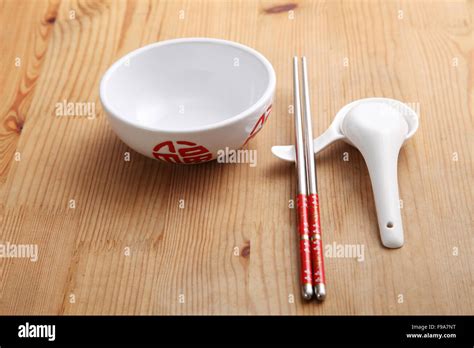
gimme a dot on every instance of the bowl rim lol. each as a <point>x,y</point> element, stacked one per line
<point>260,103</point>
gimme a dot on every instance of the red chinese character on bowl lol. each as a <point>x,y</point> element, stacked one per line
<point>261,121</point>
<point>181,152</point>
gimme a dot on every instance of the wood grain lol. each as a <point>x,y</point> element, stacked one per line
<point>128,248</point>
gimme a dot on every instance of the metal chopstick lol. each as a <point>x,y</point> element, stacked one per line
<point>317,257</point>
<point>302,197</point>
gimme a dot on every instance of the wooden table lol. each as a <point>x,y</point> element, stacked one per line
<point>143,237</point>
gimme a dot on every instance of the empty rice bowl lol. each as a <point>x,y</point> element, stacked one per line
<point>183,100</point>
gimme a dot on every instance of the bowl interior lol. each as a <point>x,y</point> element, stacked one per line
<point>185,85</point>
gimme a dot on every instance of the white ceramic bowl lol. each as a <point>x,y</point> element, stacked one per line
<point>183,100</point>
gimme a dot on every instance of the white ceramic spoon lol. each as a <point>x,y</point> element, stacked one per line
<point>378,127</point>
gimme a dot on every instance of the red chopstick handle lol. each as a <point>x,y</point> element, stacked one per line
<point>304,234</point>
<point>316,241</point>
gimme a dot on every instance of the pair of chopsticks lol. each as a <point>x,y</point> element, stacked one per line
<point>309,227</point>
